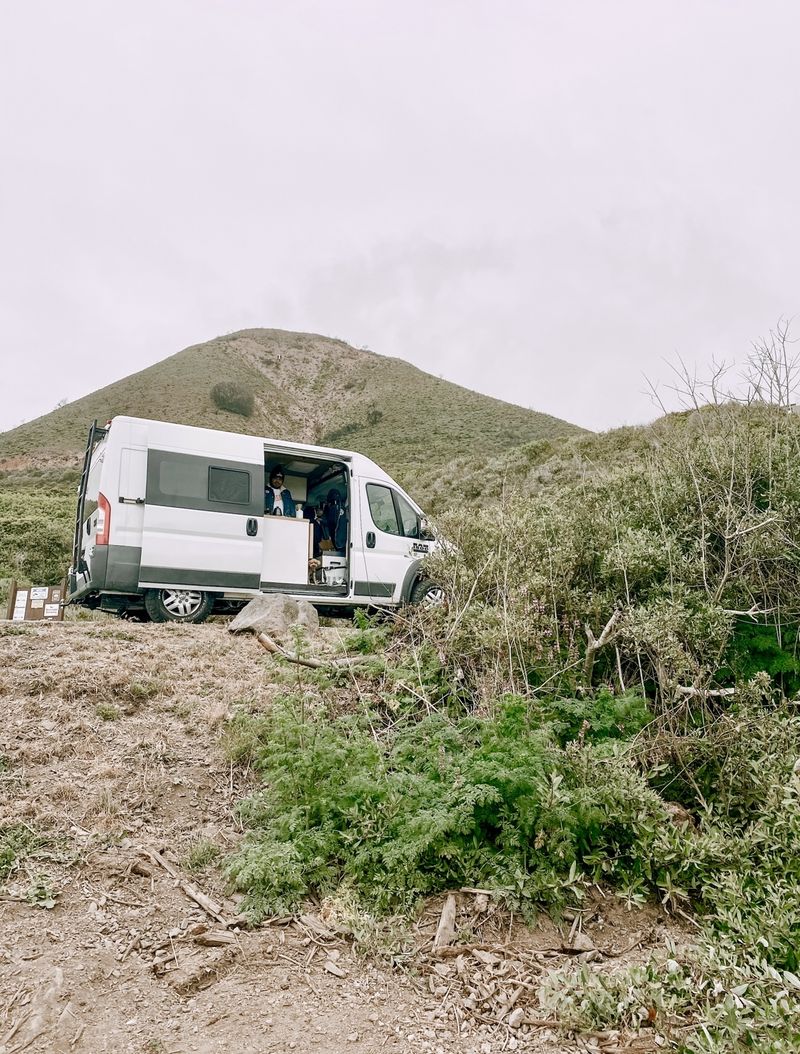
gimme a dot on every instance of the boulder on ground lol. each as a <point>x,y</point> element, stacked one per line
<point>275,614</point>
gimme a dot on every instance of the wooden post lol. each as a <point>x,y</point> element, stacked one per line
<point>12,596</point>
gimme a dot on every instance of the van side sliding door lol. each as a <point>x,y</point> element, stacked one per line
<point>203,521</point>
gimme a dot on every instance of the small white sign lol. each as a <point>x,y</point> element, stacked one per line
<point>39,593</point>
<point>19,615</point>
<point>51,611</point>
<point>36,604</point>
<point>21,598</point>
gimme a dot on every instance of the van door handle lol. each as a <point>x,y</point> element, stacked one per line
<point>252,527</point>
<point>370,539</point>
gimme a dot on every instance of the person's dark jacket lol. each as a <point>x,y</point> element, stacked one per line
<point>337,528</point>
<point>288,502</point>
<point>319,527</point>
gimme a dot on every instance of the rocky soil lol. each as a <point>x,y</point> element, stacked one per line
<point>118,932</point>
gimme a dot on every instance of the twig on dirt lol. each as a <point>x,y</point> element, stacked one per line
<point>134,942</point>
<point>689,919</point>
<point>452,951</point>
<point>206,903</point>
<point>624,951</point>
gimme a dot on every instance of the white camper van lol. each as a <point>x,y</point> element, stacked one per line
<point>172,524</point>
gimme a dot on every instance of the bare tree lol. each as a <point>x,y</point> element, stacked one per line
<point>770,375</point>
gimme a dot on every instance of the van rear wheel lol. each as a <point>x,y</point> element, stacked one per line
<point>178,605</point>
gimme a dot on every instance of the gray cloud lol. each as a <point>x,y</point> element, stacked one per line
<point>539,201</point>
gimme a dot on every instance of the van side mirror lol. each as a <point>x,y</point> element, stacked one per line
<point>425,532</point>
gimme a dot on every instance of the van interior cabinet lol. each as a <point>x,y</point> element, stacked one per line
<point>287,550</point>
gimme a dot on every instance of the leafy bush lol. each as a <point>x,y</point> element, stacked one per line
<point>684,554</point>
<point>35,535</point>
<point>435,804</point>
<point>739,985</point>
<point>233,397</point>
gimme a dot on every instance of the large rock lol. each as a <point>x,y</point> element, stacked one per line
<point>275,614</point>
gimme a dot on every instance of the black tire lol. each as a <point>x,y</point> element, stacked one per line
<point>133,614</point>
<point>427,594</point>
<point>178,605</point>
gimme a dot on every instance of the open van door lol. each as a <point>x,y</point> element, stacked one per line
<point>203,519</point>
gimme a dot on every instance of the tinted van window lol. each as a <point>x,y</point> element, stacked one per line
<point>408,517</point>
<point>382,509</point>
<point>228,485</point>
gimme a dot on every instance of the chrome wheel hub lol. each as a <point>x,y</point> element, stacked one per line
<point>434,598</point>
<point>182,602</point>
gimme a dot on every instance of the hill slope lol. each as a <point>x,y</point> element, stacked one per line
<point>307,388</point>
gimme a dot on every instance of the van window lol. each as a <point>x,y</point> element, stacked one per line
<point>408,517</point>
<point>228,485</point>
<point>182,477</point>
<point>391,512</point>
<point>382,509</point>
<point>192,481</point>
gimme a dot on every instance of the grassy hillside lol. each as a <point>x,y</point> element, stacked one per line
<point>305,387</point>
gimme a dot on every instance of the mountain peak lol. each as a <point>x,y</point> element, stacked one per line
<point>304,387</point>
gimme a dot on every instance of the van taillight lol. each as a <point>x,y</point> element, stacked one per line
<point>103,520</point>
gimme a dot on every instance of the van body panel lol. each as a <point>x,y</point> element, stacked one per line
<point>203,442</point>
<point>199,548</point>
<point>122,567</point>
<point>202,514</point>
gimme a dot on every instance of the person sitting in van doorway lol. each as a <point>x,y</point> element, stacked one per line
<point>278,501</point>
<point>321,539</point>
<point>336,520</point>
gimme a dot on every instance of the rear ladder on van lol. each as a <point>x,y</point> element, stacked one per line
<point>96,433</point>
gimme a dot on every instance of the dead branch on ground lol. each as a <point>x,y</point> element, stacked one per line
<point>272,646</point>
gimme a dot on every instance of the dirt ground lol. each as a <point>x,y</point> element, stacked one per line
<point>117,931</point>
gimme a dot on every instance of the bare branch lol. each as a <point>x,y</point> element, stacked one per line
<point>594,644</point>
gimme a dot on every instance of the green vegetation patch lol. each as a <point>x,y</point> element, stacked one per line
<point>434,804</point>
<point>35,536</point>
<point>17,842</point>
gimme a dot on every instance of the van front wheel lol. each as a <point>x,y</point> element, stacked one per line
<point>178,605</point>
<point>428,594</point>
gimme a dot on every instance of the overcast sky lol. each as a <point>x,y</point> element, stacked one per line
<point>541,201</point>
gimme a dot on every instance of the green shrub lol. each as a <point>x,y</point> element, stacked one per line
<point>35,535</point>
<point>595,717</point>
<point>17,841</point>
<point>434,804</point>
<point>739,986</point>
<point>233,397</point>
<point>685,549</point>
